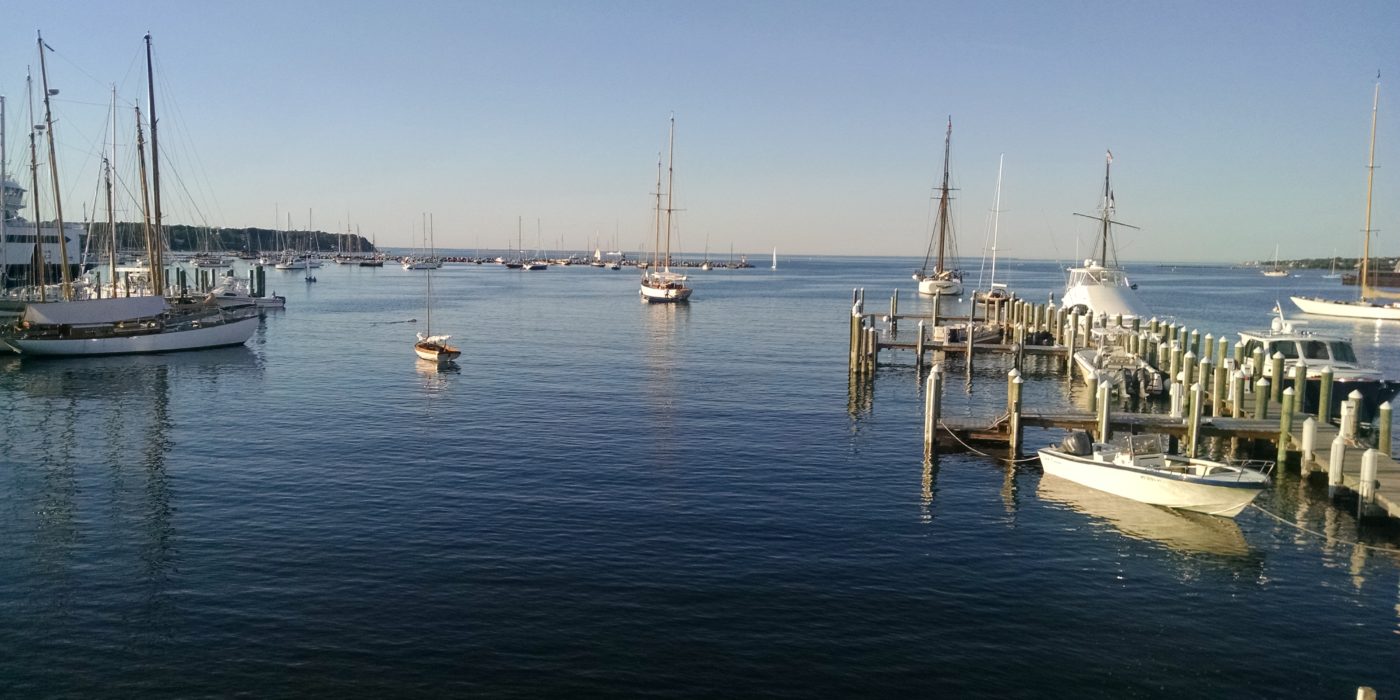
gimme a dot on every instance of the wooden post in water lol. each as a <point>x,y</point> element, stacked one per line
<point>1383,429</point>
<point>1188,368</point>
<point>1204,375</point>
<point>1239,354</point>
<point>874,345</point>
<point>1276,375</point>
<point>1013,408</point>
<point>1105,427</point>
<point>971,331</point>
<point>1193,427</point>
<point>933,407</point>
<point>1237,394</point>
<point>1073,333</point>
<point>1223,351</point>
<point>1300,386</point>
<point>855,338</point>
<point>1174,363</point>
<point>919,347</point>
<point>1366,486</point>
<point>1257,364</point>
<point>1324,395</point>
<point>1285,426</point>
<point>1177,396</point>
<point>1261,399</point>
<point>1335,459</point>
<point>1091,379</point>
<point>1195,344</point>
<point>1309,443</point>
<point>1207,349</point>
<point>937,300</point>
<point>1217,390</point>
<point>894,312</point>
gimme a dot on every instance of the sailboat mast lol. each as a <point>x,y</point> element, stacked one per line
<point>155,270</point>
<point>656,246</point>
<point>40,262</point>
<point>670,184</point>
<point>943,199</point>
<point>111,196</point>
<point>996,217</point>
<point>1107,210</point>
<point>53,176</point>
<point>1370,180</point>
<point>158,256</point>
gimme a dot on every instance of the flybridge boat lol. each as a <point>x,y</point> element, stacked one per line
<point>1136,467</point>
<point>1100,286</point>
<point>1317,350</point>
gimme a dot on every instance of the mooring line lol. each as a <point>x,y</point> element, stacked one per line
<point>1261,509</point>
<point>983,454</point>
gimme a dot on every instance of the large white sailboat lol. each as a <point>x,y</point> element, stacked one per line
<point>659,283</point>
<point>1366,305</point>
<point>132,324</point>
<point>1100,286</point>
<point>936,277</point>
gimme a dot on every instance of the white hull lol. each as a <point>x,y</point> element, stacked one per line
<point>235,333</point>
<point>296,265</point>
<point>1347,309</point>
<point>933,287</point>
<point>673,294</point>
<point>1225,497</point>
<point>1179,530</point>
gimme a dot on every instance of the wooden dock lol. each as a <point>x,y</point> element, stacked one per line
<point>1211,399</point>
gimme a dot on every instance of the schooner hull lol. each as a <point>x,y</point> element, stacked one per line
<point>222,335</point>
<point>666,295</point>
<point>1347,309</point>
<point>933,287</point>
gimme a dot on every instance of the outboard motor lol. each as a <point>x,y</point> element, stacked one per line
<point>1077,443</point>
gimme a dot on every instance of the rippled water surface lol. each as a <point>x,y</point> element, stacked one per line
<point>610,497</point>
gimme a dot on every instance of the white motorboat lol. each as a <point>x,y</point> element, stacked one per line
<point>1100,286</point>
<point>936,276</point>
<point>1366,304</point>
<point>1137,468</point>
<point>1110,359</point>
<point>1317,350</point>
<point>662,285</point>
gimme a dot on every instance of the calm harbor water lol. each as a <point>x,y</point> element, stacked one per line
<point>607,497</point>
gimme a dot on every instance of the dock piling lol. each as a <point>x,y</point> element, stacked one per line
<point>1324,395</point>
<point>1276,376</point>
<point>1193,428</point>
<point>1217,390</point>
<point>1351,415</point>
<point>1237,394</point>
<point>1285,426</point>
<point>1257,364</point>
<point>1013,408</point>
<point>1105,422</point>
<point>933,406</point>
<point>1383,429</point>
<point>1335,459</point>
<point>1366,487</point>
<point>1261,398</point>
<point>1309,443</point>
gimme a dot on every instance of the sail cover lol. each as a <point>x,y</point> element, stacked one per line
<point>93,311</point>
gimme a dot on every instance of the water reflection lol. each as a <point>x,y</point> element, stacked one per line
<point>1181,531</point>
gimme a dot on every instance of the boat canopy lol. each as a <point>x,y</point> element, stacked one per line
<point>95,311</point>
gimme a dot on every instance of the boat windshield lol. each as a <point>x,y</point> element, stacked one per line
<point>1342,352</point>
<point>1287,348</point>
<point>1314,350</point>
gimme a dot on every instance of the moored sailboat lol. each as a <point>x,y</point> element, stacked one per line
<point>936,277</point>
<point>1366,304</point>
<point>132,324</point>
<point>659,283</point>
<point>433,348</point>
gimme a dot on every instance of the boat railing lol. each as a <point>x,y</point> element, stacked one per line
<point>1263,466</point>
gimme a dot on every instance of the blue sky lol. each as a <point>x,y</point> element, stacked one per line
<point>815,127</point>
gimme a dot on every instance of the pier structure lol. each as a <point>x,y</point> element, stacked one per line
<point>1214,407</point>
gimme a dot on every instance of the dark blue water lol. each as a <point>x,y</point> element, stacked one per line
<point>613,498</point>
